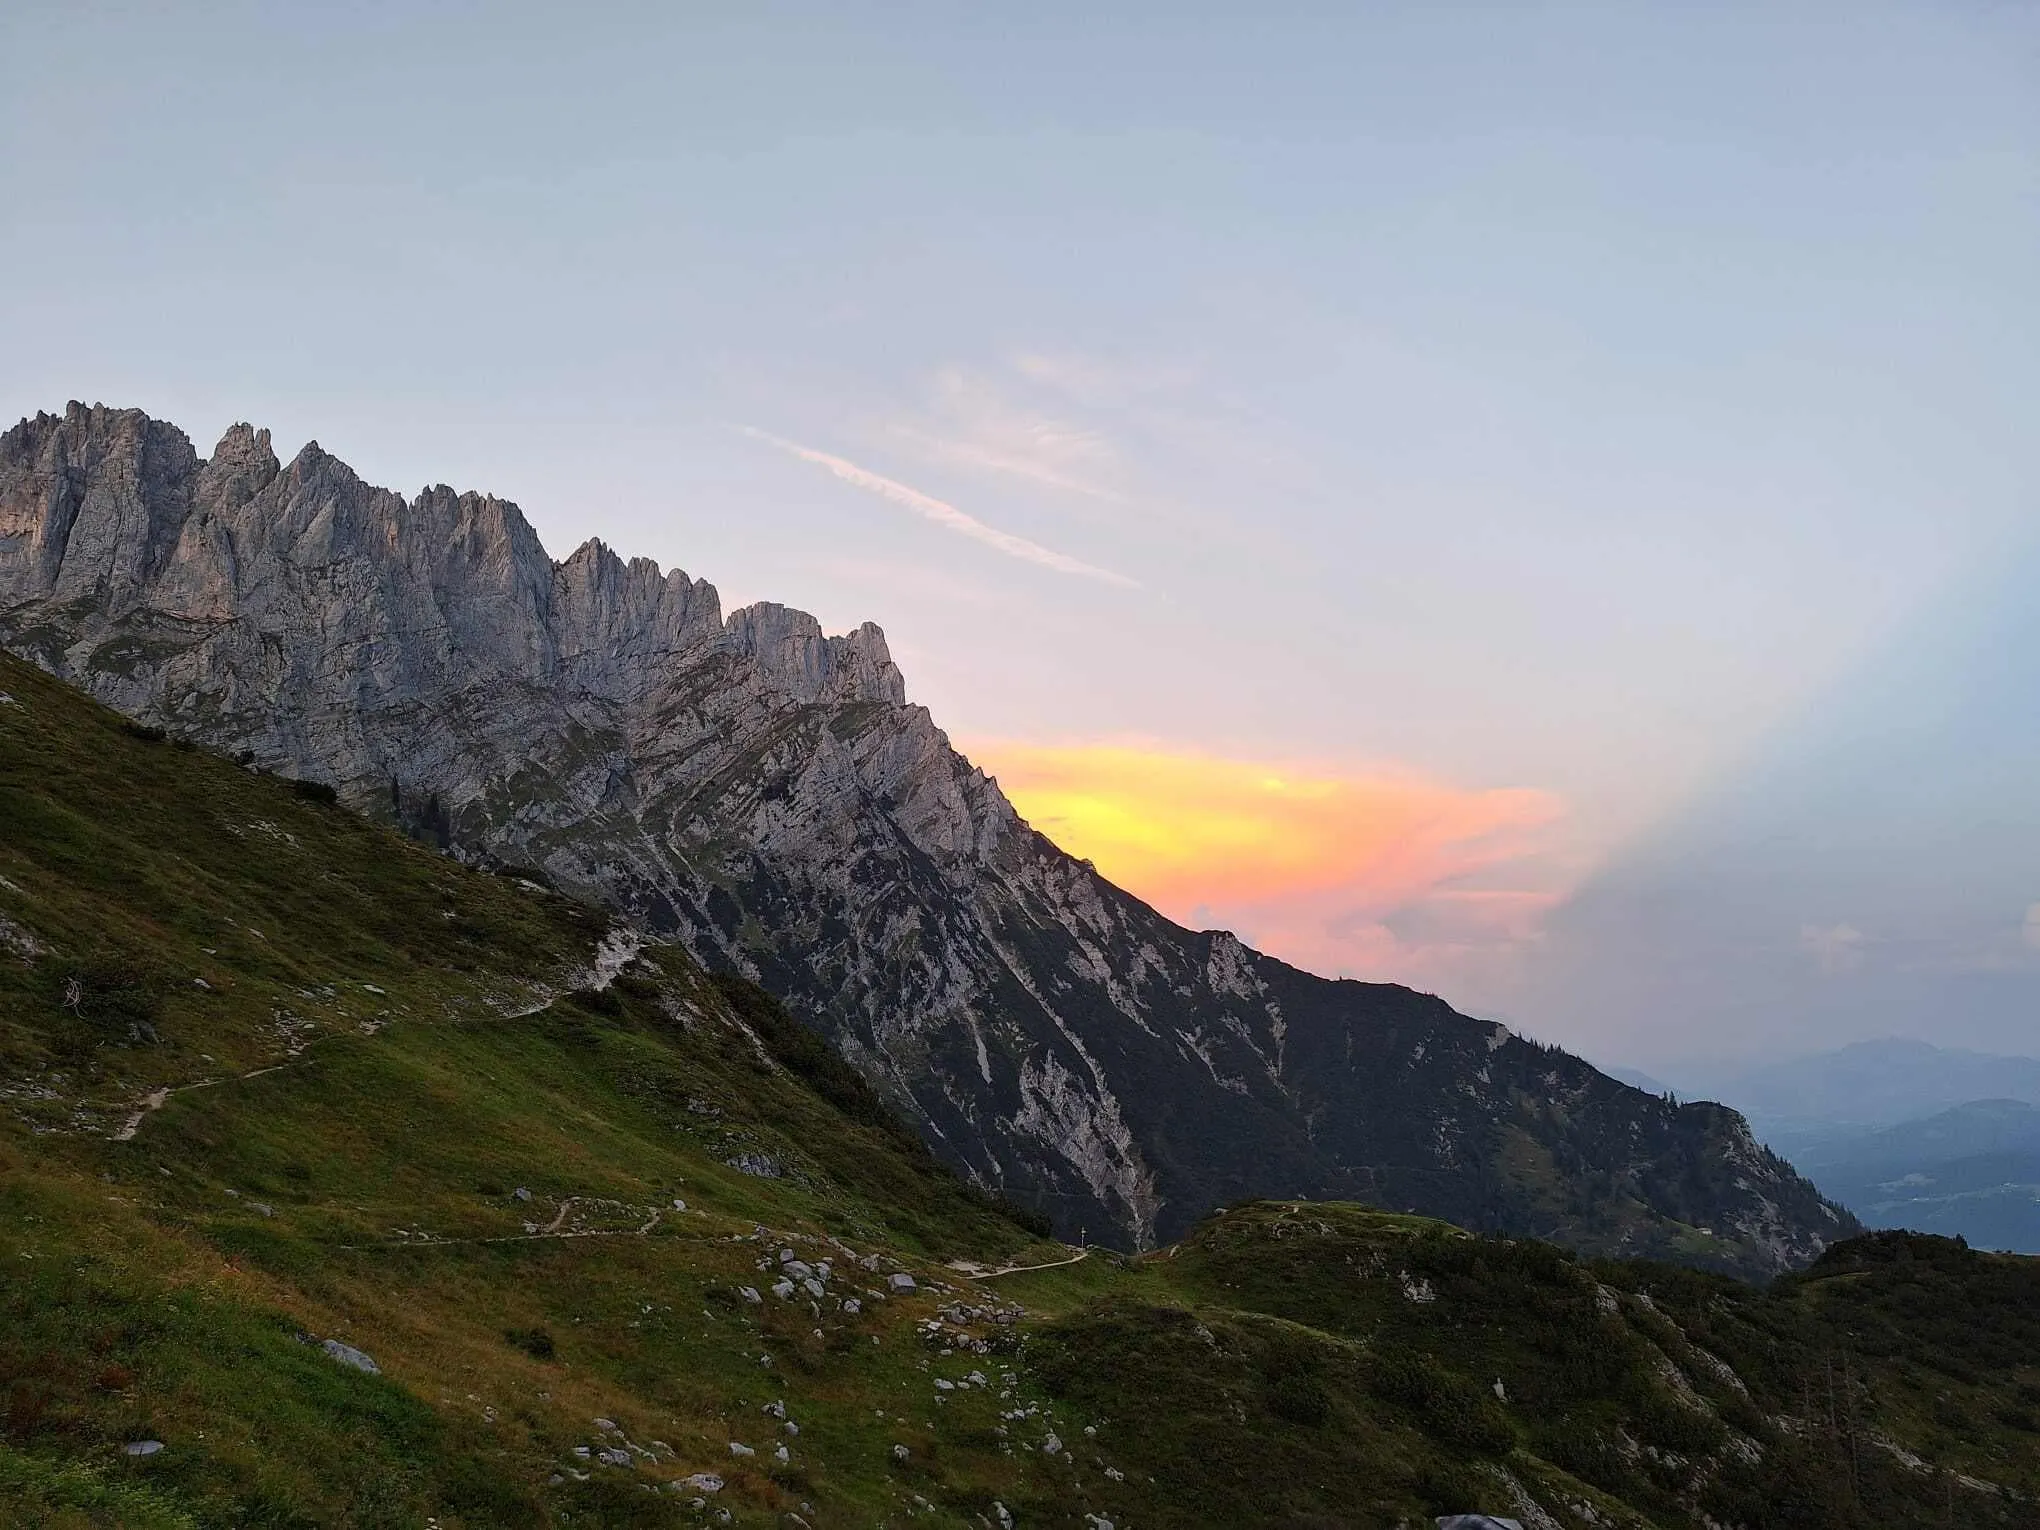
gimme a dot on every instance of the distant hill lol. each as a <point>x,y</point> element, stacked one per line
<point>1865,1085</point>
<point>1972,1172</point>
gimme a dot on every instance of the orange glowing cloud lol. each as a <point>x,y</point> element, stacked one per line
<point>1347,872</point>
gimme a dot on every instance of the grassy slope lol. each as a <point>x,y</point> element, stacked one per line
<point>376,1096</point>
<point>157,1287</point>
<point>1360,1351</point>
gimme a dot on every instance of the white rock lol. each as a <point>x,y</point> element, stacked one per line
<point>347,1354</point>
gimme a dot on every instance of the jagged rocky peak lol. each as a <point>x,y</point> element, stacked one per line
<point>241,466</point>
<point>89,498</point>
<point>108,506</point>
<point>789,646</point>
<point>604,606</point>
<point>763,792</point>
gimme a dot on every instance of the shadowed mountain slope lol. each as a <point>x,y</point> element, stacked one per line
<point>765,795</point>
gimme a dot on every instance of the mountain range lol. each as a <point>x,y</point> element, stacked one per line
<point>764,795</point>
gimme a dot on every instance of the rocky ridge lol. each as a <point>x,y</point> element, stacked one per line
<point>765,794</point>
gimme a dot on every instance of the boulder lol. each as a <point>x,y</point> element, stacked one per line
<point>347,1354</point>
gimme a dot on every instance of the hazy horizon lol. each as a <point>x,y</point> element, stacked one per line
<point>1529,503</point>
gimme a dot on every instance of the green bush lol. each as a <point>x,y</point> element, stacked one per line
<point>1299,1397</point>
<point>1586,1450</point>
<point>1454,1409</point>
<point>106,998</point>
<point>1666,1422</point>
<point>535,1342</point>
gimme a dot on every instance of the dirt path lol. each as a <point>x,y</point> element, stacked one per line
<point>616,951</point>
<point>1021,1269</point>
<point>156,1099</point>
<point>549,1231</point>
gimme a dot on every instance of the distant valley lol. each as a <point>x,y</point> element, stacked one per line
<point>1904,1133</point>
<point>1972,1171</point>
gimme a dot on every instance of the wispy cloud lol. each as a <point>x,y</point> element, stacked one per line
<point>1102,383</point>
<point>970,420</point>
<point>942,513</point>
<point>1833,947</point>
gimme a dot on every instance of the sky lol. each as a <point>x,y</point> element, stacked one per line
<point>1439,490</point>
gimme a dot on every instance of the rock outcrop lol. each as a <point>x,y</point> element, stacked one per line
<point>766,794</point>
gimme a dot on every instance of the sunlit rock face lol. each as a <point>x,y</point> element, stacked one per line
<point>766,794</point>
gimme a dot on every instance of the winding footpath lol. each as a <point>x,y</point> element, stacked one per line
<point>973,1273</point>
<point>616,951</point>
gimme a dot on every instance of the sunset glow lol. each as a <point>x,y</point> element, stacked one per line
<point>1320,864</point>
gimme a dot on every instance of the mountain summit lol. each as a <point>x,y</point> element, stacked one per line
<point>765,794</point>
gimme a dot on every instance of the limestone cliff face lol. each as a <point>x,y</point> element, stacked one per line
<point>765,793</point>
